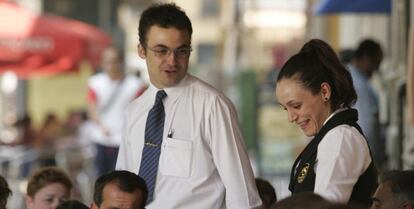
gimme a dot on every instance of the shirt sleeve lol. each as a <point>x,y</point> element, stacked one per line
<point>124,155</point>
<point>230,157</point>
<point>91,96</point>
<point>343,155</point>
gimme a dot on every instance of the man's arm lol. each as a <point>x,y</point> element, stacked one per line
<point>230,157</point>
<point>123,159</point>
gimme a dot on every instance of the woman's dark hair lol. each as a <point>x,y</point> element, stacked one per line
<point>317,63</point>
<point>165,15</point>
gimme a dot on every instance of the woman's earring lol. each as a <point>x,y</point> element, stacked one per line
<point>326,98</point>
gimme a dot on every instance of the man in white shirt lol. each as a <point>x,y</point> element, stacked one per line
<point>202,161</point>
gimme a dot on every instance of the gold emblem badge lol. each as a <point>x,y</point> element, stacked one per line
<point>303,172</point>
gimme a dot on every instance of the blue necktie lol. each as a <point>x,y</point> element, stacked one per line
<point>152,148</point>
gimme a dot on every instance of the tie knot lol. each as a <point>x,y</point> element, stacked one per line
<point>160,96</point>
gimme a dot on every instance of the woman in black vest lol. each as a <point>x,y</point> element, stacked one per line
<point>317,92</point>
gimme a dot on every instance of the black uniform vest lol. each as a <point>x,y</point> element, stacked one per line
<point>303,180</point>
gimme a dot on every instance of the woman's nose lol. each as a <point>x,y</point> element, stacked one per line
<point>292,116</point>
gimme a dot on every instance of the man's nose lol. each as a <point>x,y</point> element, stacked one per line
<point>171,58</point>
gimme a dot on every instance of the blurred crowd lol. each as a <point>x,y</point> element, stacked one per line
<point>51,188</point>
<point>41,146</point>
<point>55,142</point>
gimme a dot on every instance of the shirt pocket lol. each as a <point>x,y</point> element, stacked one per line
<point>176,158</point>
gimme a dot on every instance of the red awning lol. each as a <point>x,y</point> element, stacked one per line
<point>36,45</point>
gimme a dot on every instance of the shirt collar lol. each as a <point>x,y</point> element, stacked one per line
<point>357,72</point>
<point>334,113</point>
<point>172,92</point>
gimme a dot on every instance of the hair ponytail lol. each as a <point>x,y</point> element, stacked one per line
<point>316,63</point>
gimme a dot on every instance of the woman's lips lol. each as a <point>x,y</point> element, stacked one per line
<point>303,124</point>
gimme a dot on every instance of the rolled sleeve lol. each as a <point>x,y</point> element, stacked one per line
<point>230,156</point>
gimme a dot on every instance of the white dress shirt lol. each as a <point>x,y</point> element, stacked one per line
<point>203,162</point>
<point>343,156</point>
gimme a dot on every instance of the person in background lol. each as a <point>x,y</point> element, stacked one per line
<point>346,55</point>
<point>266,192</point>
<point>5,192</point>
<point>304,200</point>
<point>119,189</point>
<point>47,188</point>
<point>395,191</point>
<point>182,135</point>
<point>307,200</point>
<point>341,206</point>
<point>316,91</point>
<point>72,204</point>
<point>366,60</point>
<point>48,136</point>
<point>73,122</point>
<point>109,92</point>
<point>26,137</point>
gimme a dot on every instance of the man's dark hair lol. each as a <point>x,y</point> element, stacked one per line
<point>126,182</point>
<point>340,206</point>
<point>266,192</point>
<point>164,15</point>
<point>346,55</point>
<point>303,200</point>
<point>402,184</point>
<point>72,204</point>
<point>5,192</point>
<point>369,48</point>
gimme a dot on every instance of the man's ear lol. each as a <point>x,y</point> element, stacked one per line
<point>141,51</point>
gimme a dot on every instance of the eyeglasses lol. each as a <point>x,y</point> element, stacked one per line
<point>163,52</point>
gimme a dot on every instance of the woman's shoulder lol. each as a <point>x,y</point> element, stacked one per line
<point>345,132</point>
<point>343,136</point>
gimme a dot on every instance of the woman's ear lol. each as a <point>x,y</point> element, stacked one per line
<point>325,91</point>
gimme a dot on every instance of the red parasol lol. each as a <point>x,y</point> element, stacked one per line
<point>36,45</point>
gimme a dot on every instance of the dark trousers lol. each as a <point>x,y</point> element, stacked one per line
<point>105,159</point>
